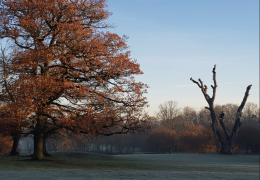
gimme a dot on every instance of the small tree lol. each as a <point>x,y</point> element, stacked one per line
<point>11,114</point>
<point>224,138</point>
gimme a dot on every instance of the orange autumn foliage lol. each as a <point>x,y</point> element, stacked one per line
<point>5,144</point>
<point>197,139</point>
<point>71,74</point>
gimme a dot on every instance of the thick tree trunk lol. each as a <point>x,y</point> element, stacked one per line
<point>45,152</point>
<point>16,139</point>
<point>227,148</point>
<point>38,146</point>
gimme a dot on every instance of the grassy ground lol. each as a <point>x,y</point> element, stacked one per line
<point>143,166</point>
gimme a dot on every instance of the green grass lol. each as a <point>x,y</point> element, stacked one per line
<point>143,166</point>
<point>83,161</point>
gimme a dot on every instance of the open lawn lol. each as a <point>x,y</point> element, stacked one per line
<point>141,166</point>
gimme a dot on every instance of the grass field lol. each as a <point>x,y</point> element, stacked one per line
<point>141,166</point>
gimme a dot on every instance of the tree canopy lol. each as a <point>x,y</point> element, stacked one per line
<point>68,71</point>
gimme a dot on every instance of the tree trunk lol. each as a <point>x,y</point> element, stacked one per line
<point>227,148</point>
<point>38,146</point>
<point>16,139</point>
<point>45,152</point>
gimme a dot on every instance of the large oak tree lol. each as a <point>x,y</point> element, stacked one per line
<point>71,73</point>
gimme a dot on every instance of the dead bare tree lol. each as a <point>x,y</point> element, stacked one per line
<point>224,138</point>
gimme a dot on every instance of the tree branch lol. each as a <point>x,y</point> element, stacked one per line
<point>203,89</point>
<point>244,99</point>
<point>215,84</point>
<point>239,112</point>
<point>195,82</point>
<point>221,116</point>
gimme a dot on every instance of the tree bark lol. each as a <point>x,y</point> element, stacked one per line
<point>45,152</point>
<point>38,146</point>
<point>16,139</point>
<point>227,148</point>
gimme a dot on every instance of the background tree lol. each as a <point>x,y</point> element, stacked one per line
<point>12,116</point>
<point>226,141</point>
<point>189,115</point>
<point>162,139</point>
<point>167,112</point>
<point>230,112</point>
<point>196,139</point>
<point>249,134</point>
<point>248,137</point>
<point>251,114</point>
<point>204,117</point>
<point>73,75</point>
<point>5,144</point>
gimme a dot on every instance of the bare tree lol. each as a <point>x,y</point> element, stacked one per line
<point>204,117</point>
<point>230,111</point>
<point>225,139</point>
<point>189,115</point>
<point>167,112</point>
<point>251,112</point>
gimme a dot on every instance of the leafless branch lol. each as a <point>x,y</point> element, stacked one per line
<point>221,116</point>
<point>195,82</point>
<point>239,112</point>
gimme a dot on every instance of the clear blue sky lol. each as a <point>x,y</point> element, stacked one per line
<point>174,40</point>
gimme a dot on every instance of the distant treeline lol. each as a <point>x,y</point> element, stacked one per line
<point>184,130</point>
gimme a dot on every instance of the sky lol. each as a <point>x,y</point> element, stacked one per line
<point>174,40</point>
